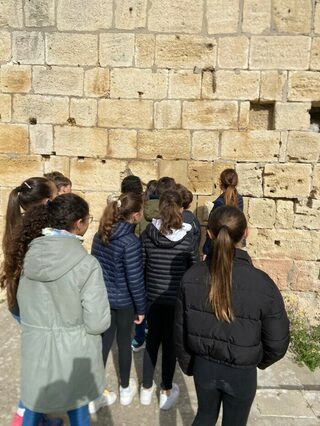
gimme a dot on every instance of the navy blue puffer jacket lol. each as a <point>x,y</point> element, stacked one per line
<point>122,266</point>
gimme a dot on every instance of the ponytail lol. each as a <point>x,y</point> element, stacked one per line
<point>170,204</point>
<point>231,196</point>
<point>13,218</point>
<point>228,183</point>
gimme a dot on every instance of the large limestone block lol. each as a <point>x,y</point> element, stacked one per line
<point>184,84</point>
<point>97,202</point>
<point>45,109</point>
<point>280,52</point>
<point>223,16</point>
<point>256,16</point>
<point>14,138</point>
<point>233,52</point>
<point>284,214</point>
<point>5,46</point>
<point>205,145</point>
<point>84,111</point>
<point>305,276</point>
<point>291,16</point>
<point>241,85</point>
<point>134,83</point>
<point>80,141</point>
<point>273,85</point>
<point>166,144</point>
<point>304,86</point>
<point>178,169</point>
<point>79,15</point>
<point>287,180</point>
<point>5,108</point>
<point>90,174</point>
<point>58,80</point>
<point>53,162</point>
<point>39,13</point>
<point>307,218</point>
<point>28,47</point>
<point>211,115</point>
<point>303,146</point>
<point>169,16</point>
<point>11,13</point>
<point>96,83</point>
<point>15,169</point>
<point>250,146</point>
<point>185,51</point>
<point>15,78</point>
<point>262,212</point>
<point>125,113</point>
<point>71,49</point>
<point>315,54</point>
<point>144,50</point>
<point>316,182</point>
<point>41,139</point>
<point>130,14</point>
<point>146,170</point>
<point>200,177</point>
<point>116,49</point>
<point>167,114</point>
<point>292,116</point>
<point>279,270</point>
<point>122,143</point>
<point>250,179</point>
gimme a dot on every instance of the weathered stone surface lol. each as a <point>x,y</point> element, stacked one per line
<point>96,83</point>
<point>250,146</point>
<point>244,115</point>
<point>51,163</point>
<point>39,13</point>
<point>279,52</point>
<point>222,16</point>
<point>14,169</point>
<point>131,83</point>
<point>14,138</point>
<point>316,182</point>
<point>178,169</point>
<point>5,46</point>
<point>166,144</point>
<point>104,175</point>
<point>41,139</point>
<point>272,85</point>
<point>116,49</point>
<point>184,84</point>
<point>292,116</point>
<point>130,14</point>
<point>167,115</point>
<point>290,16</point>
<point>71,49</point>
<point>241,85</point>
<point>76,15</point>
<point>210,115</point>
<point>200,177</point>
<point>317,18</point>
<point>146,170</point>
<point>262,212</point>
<point>256,16</point>
<point>185,51</point>
<point>84,111</point>
<point>77,141</point>
<point>315,54</point>
<point>305,276</point>
<point>125,113</point>
<point>182,17</point>
<point>283,147</point>
<point>287,180</point>
<point>5,108</point>
<point>97,202</point>
<point>279,270</point>
<point>284,214</point>
<point>303,146</point>
<point>306,218</point>
<point>144,50</point>
<point>58,80</point>
<point>45,109</point>
<point>122,143</point>
<point>11,13</point>
<point>233,52</point>
<point>250,179</point>
<point>15,78</point>
<point>28,47</point>
<point>304,86</point>
<point>205,145</point>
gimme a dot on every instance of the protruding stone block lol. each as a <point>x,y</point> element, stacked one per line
<point>28,47</point>
<point>41,139</point>
<point>80,141</point>
<point>122,143</point>
<point>167,115</point>
<point>205,145</point>
<point>125,113</point>
<point>211,115</point>
<point>15,78</point>
<point>250,179</point>
<point>116,49</point>
<point>58,80</point>
<point>223,16</point>
<point>45,109</point>
<point>166,144</point>
<point>292,116</point>
<point>233,52</point>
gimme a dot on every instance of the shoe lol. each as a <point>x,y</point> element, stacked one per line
<point>17,420</point>
<point>146,394</point>
<point>167,401</point>
<point>136,346</point>
<point>127,394</point>
<point>106,399</point>
<point>50,422</point>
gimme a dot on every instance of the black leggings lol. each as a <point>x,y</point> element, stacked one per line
<point>121,322</point>
<point>160,331</point>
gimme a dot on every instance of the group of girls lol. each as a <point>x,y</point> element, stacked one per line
<point>220,317</point>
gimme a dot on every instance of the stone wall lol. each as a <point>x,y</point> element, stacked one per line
<point>99,89</point>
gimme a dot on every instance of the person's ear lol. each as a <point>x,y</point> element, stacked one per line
<point>210,234</point>
<point>246,233</point>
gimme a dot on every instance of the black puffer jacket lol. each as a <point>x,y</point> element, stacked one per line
<point>165,262</point>
<point>259,335</point>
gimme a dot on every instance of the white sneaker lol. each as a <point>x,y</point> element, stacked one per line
<point>106,399</point>
<point>146,394</point>
<point>127,394</point>
<point>167,401</point>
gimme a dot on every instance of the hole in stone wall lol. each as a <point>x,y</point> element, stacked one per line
<point>315,117</point>
<point>261,116</point>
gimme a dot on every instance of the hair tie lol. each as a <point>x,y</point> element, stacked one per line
<point>224,227</point>
<point>18,189</point>
<point>27,185</point>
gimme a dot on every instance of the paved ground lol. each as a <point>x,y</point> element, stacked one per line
<point>288,395</point>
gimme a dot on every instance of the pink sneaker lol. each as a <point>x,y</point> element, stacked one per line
<point>17,420</point>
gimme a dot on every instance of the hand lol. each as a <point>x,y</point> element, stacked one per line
<point>139,319</point>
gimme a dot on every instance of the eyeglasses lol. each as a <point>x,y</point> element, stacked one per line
<point>90,218</point>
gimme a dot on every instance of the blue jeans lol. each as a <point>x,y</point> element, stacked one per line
<point>78,417</point>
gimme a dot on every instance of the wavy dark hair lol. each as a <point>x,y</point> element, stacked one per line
<point>170,204</point>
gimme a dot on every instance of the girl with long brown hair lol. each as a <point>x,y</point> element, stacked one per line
<point>230,319</point>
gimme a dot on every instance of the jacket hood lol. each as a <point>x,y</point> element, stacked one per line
<point>151,209</point>
<point>50,257</point>
<point>121,228</point>
<point>169,240</point>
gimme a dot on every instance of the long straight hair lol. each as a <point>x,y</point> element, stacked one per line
<point>170,204</point>
<point>227,225</point>
<point>228,183</point>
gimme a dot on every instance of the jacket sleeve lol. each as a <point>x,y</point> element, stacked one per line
<point>275,334</point>
<point>95,303</point>
<point>133,262</point>
<point>185,358</point>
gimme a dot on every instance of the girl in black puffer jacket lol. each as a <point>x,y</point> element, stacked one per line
<point>230,319</point>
